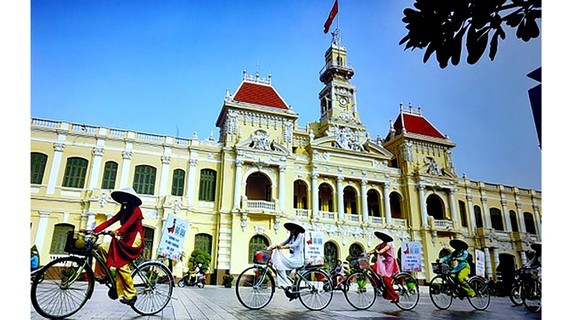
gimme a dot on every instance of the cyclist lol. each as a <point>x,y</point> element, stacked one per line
<point>126,245</point>
<point>337,274</point>
<point>197,272</point>
<point>535,264</point>
<point>386,264</point>
<point>462,269</point>
<point>296,259</point>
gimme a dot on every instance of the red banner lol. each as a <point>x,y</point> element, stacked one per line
<point>332,14</point>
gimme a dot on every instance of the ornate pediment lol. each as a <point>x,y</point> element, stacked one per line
<point>260,140</point>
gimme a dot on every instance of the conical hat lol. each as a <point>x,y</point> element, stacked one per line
<point>128,194</point>
<point>458,244</point>
<point>293,226</point>
<point>383,236</point>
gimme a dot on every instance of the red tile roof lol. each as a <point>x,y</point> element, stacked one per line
<point>259,94</point>
<point>416,124</point>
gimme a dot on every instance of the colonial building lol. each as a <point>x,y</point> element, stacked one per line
<point>267,169</point>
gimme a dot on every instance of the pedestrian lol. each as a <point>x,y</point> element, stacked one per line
<point>386,264</point>
<point>34,258</point>
<point>126,245</point>
<point>462,269</point>
<point>283,263</point>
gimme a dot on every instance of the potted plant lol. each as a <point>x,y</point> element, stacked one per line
<point>227,280</point>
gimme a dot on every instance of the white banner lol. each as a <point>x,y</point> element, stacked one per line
<point>479,263</point>
<point>314,248</point>
<point>412,256</point>
<point>172,240</point>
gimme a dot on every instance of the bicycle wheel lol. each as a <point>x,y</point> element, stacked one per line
<point>407,289</point>
<point>440,292</point>
<point>153,283</point>
<point>482,297</point>
<point>315,289</point>
<point>255,287</point>
<point>531,295</point>
<point>515,294</point>
<point>360,292</point>
<point>62,287</point>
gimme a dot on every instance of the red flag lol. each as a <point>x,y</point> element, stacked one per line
<point>332,14</point>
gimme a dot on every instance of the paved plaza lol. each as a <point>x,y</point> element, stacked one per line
<point>217,302</point>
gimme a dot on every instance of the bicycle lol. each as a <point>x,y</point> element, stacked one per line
<point>443,288</point>
<point>531,292</point>
<point>364,284</point>
<point>255,286</point>
<point>68,282</point>
<point>515,292</point>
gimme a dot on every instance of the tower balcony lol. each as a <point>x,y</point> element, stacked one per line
<point>333,68</point>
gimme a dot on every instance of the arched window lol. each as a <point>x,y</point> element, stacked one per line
<point>478,217</point>
<point>109,175</point>
<point>349,197</point>
<point>178,182</point>
<point>395,208</point>
<point>331,254</point>
<point>529,223</point>
<point>514,221</point>
<point>463,213</point>
<point>299,195</point>
<point>258,187</point>
<point>207,190</point>
<point>145,177</point>
<point>354,251</point>
<point>60,237</point>
<point>435,207</point>
<point>203,242</point>
<point>38,161</point>
<point>496,219</point>
<point>325,198</point>
<point>75,171</point>
<point>373,203</point>
<point>257,242</point>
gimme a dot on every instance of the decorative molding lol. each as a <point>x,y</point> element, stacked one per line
<point>127,155</point>
<point>58,147</point>
<point>97,152</point>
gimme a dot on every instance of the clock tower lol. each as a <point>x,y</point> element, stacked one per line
<point>338,97</point>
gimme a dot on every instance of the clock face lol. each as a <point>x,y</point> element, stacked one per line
<point>343,101</point>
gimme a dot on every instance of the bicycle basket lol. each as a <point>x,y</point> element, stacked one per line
<point>261,256</point>
<point>439,267</point>
<point>74,244</point>
<point>363,263</point>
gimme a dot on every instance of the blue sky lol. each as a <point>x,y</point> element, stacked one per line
<point>163,67</point>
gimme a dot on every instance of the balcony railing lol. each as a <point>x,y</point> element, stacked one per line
<point>399,223</point>
<point>443,224</point>
<point>352,217</point>
<point>302,213</point>
<point>325,215</point>
<point>260,205</point>
<point>376,220</point>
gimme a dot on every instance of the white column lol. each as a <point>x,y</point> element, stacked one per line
<point>538,222</point>
<point>164,174</point>
<point>522,226</point>
<point>387,208</point>
<point>41,231</point>
<point>486,214</point>
<point>363,199</point>
<point>95,167</point>
<point>496,260</point>
<point>423,205</point>
<point>506,216</point>
<point>472,222</point>
<point>237,184</point>
<point>54,171</point>
<point>282,187</point>
<point>452,207</point>
<point>315,196</point>
<point>340,198</point>
<point>125,168</point>
<point>191,181</point>
<point>488,266</point>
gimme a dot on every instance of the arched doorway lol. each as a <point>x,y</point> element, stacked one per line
<point>435,207</point>
<point>257,242</point>
<point>349,198</point>
<point>373,202</point>
<point>506,270</point>
<point>331,255</point>
<point>300,194</point>
<point>258,187</point>
<point>354,251</point>
<point>325,198</point>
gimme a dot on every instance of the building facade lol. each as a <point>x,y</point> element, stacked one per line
<point>265,169</point>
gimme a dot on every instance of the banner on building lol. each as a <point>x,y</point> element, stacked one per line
<point>412,256</point>
<point>314,248</point>
<point>479,263</point>
<point>172,240</point>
